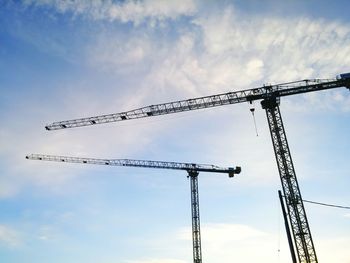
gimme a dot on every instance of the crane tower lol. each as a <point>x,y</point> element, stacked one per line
<point>191,168</point>
<point>269,95</point>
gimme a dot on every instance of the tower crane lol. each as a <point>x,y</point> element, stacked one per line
<point>266,93</point>
<point>270,100</point>
<point>191,168</point>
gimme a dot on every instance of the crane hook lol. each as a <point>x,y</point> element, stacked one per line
<point>252,110</point>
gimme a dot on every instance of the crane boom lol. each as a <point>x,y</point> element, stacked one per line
<point>191,168</point>
<point>139,163</point>
<point>249,95</point>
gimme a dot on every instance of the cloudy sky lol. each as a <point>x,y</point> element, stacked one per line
<point>68,59</point>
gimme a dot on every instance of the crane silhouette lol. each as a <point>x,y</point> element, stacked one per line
<point>191,168</point>
<point>269,95</point>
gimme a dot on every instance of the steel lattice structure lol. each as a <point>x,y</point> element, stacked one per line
<point>297,215</point>
<point>268,93</point>
<point>137,163</point>
<point>196,229</point>
<point>234,97</point>
<point>191,168</point>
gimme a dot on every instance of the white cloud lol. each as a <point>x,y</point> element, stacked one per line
<point>215,53</point>
<point>227,242</point>
<point>126,11</point>
<point>233,242</point>
<point>119,52</point>
<point>9,236</point>
<point>58,177</point>
<point>289,49</point>
<point>333,249</point>
<point>223,52</point>
<point>223,233</point>
<point>9,186</point>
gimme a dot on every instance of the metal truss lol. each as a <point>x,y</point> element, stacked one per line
<point>296,211</point>
<point>279,90</point>
<point>196,231</point>
<point>139,163</point>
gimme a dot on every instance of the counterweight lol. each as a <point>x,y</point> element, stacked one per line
<point>191,168</point>
<point>270,95</point>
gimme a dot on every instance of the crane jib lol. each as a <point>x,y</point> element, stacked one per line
<point>249,95</point>
<point>189,167</point>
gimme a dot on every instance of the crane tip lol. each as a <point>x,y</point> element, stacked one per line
<point>238,170</point>
<point>233,171</point>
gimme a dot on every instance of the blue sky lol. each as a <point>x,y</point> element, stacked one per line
<point>61,60</point>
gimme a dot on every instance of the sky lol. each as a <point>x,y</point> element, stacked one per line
<point>62,60</point>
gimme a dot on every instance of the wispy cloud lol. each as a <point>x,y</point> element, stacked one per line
<point>226,233</point>
<point>226,242</point>
<point>9,236</point>
<point>286,48</point>
<point>209,53</point>
<point>225,51</point>
<point>334,249</point>
<point>125,11</point>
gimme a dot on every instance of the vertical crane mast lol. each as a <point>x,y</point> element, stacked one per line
<point>191,168</point>
<point>196,230</point>
<point>270,96</point>
<point>295,207</point>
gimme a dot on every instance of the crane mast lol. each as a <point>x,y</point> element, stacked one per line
<point>270,96</point>
<point>297,215</point>
<point>191,168</point>
<point>196,229</point>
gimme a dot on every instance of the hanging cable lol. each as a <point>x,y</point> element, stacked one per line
<point>252,110</point>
